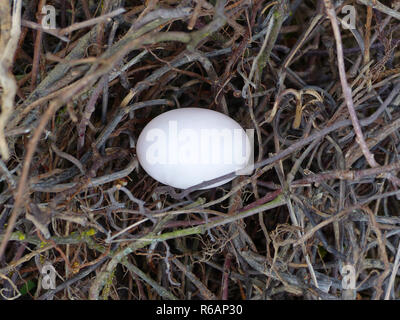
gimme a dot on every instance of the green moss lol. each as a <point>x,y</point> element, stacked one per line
<point>43,244</point>
<point>91,232</point>
<point>87,233</point>
<point>21,236</point>
<point>107,287</point>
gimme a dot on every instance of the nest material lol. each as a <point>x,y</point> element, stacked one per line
<point>317,219</point>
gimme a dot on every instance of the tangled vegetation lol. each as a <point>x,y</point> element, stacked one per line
<point>318,81</point>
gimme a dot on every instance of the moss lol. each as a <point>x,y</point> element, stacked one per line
<point>91,232</point>
<point>21,236</point>
<point>43,244</point>
<point>87,233</point>
<point>107,287</point>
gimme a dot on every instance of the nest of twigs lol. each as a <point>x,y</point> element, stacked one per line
<point>318,81</point>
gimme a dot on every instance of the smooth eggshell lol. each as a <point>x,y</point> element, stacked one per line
<point>182,158</point>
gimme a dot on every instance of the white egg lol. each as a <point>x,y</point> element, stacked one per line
<point>184,147</point>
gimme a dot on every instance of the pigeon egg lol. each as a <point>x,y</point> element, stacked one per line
<point>184,147</point>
